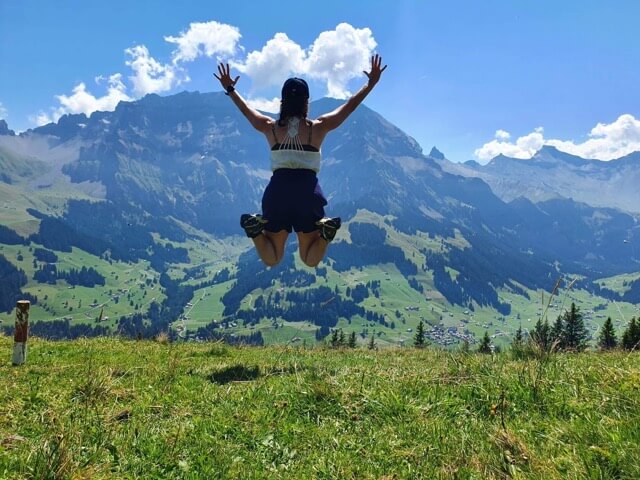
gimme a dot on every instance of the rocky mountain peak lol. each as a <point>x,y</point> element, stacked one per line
<point>4,129</point>
<point>437,154</point>
<point>550,153</point>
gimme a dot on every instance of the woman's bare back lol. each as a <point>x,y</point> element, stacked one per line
<point>309,133</point>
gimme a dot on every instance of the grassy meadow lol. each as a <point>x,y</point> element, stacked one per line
<point>114,409</point>
<point>129,288</point>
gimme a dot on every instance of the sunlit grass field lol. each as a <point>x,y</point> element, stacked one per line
<point>115,409</point>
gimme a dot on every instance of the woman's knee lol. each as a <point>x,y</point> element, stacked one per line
<point>272,261</point>
<point>311,263</point>
<point>269,262</point>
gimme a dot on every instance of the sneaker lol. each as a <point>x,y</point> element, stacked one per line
<point>252,224</point>
<point>328,227</point>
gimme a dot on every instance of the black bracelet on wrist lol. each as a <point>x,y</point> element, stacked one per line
<point>230,89</point>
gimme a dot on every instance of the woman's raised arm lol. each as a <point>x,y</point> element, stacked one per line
<point>259,121</point>
<point>332,120</point>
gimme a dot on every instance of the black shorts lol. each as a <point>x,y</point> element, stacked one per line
<point>293,200</point>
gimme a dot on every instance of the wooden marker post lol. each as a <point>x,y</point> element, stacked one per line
<point>21,332</point>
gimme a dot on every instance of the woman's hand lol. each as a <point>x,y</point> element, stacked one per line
<point>260,122</point>
<point>225,76</point>
<point>376,71</point>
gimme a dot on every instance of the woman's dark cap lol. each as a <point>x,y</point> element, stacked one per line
<point>295,88</point>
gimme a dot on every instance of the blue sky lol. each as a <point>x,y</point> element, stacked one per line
<point>473,78</point>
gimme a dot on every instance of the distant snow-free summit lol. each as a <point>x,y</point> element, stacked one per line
<point>551,173</point>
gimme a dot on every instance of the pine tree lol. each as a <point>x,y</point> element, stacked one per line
<point>517,343</point>
<point>485,344</point>
<point>631,336</point>
<point>341,338</point>
<point>575,334</point>
<point>556,334</point>
<point>464,347</point>
<point>540,334</point>
<point>372,342</point>
<point>607,339</point>
<point>418,339</point>
<point>334,338</point>
<point>352,340</point>
<point>517,338</point>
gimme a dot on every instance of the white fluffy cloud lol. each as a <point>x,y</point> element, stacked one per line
<point>149,75</point>
<point>41,119</point>
<point>201,39</point>
<point>336,57</point>
<point>605,142</point>
<point>278,59</point>
<point>265,105</point>
<point>3,112</point>
<point>502,135</point>
<point>339,55</point>
<point>209,39</point>
<point>524,147</point>
<point>82,101</point>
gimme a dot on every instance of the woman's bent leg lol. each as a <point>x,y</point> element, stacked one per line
<point>312,248</point>
<point>270,246</point>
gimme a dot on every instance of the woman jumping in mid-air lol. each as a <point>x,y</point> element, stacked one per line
<point>293,200</point>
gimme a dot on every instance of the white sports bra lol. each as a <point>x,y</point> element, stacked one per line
<point>292,153</point>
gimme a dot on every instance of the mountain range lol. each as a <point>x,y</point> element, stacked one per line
<point>551,173</point>
<point>115,183</point>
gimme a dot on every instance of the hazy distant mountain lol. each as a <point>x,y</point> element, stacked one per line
<point>193,158</point>
<point>551,173</point>
<point>4,129</point>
